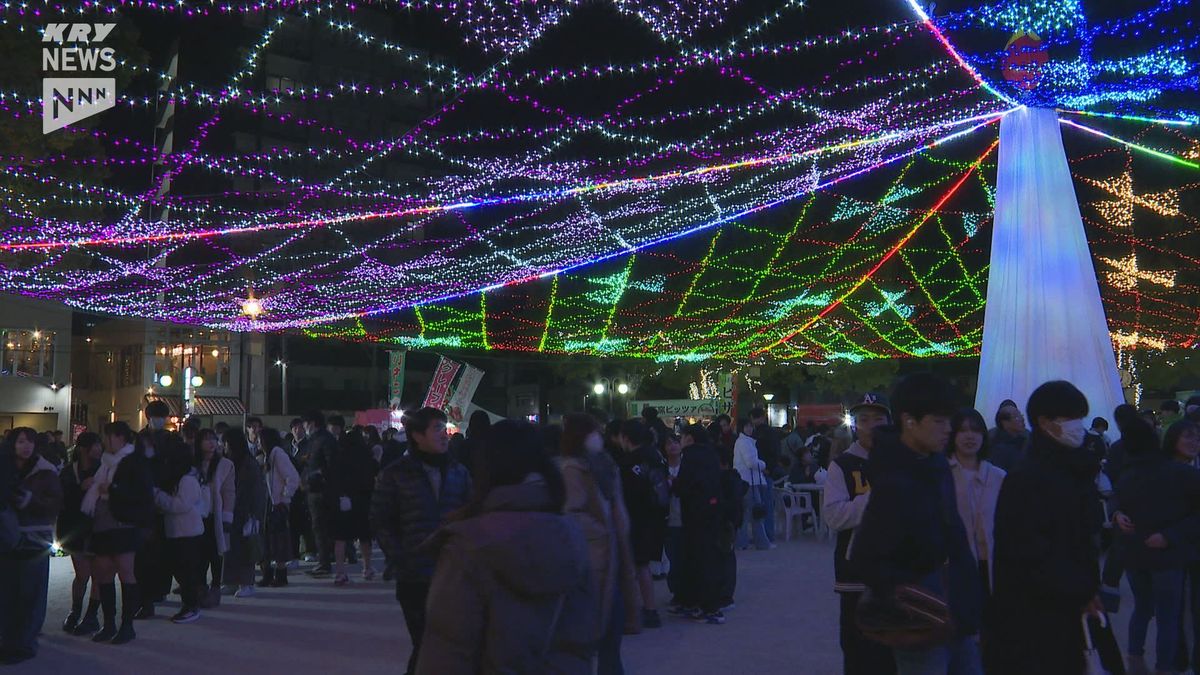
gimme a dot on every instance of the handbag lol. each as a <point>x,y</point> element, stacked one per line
<point>759,510</point>
<point>912,618</point>
<point>1091,655</point>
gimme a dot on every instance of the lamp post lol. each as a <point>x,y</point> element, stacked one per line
<point>283,385</point>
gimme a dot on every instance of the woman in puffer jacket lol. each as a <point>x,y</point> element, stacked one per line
<point>25,570</point>
<point>512,590</point>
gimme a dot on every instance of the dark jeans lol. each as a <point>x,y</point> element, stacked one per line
<point>23,586</point>
<point>210,560</point>
<point>702,571</point>
<point>608,650</point>
<point>187,556</point>
<point>1193,581</point>
<point>301,525</point>
<point>728,576</point>
<point>150,566</point>
<point>278,538</point>
<point>322,527</point>
<point>1157,594</point>
<point>860,656</point>
<point>674,550</point>
<point>412,596</point>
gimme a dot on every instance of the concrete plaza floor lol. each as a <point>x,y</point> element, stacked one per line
<point>785,623</point>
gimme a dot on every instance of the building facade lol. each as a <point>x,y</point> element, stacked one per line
<point>35,364</point>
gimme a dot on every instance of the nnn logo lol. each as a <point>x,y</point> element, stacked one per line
<point>74,48</point>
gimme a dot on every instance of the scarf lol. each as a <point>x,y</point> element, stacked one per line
<point>439,461</point>
<point>104,476</point>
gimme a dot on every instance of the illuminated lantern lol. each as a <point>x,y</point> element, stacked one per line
<point>1024,58</point>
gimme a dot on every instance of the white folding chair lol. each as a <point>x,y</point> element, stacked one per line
<point>797,504</point>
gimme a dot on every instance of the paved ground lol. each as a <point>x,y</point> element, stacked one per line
<point>785,623</point>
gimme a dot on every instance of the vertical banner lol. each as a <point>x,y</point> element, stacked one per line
<point>439,389</point>
<point>395,377</point>
<point>456,408</point>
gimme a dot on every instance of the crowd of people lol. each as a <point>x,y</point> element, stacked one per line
<point>964,550</point>
<point>959,549</point>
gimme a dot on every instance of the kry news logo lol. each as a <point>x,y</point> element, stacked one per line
<point>66,100</point>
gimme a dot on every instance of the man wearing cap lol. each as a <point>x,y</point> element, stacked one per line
<point>846,495</point>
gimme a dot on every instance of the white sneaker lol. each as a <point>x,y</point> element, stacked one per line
<point>245,592</point>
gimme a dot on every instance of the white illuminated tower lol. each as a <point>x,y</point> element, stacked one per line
<point>1044,319</point>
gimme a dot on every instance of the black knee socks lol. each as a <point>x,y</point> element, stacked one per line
<point>108,601</point>
<point>131,601</point>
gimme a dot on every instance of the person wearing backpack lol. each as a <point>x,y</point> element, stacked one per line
<point>121,503</point>
<point>25,570</point>
<point>642,470</point>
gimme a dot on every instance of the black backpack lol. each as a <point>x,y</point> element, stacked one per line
<point>660,484</point>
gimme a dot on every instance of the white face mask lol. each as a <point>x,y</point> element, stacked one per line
<point>1069,432</point>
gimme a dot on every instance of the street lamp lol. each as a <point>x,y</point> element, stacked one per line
<point>598,389</point>
<point>622,389</point>
<point>768,397</point>
<point>166,380</point>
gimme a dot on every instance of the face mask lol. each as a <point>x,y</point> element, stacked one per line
<point>158,423</point>
<point>1070,433</point>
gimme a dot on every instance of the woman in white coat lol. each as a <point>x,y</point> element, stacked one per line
<point>976,487</point>
<point>282,482</point>
<point>752,471</point>
<point>218,486</point>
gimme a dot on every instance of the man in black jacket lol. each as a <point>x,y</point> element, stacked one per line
<point>412,497</point>
<point>698,486</point>
<point>911,533</point>
<point>319,445</point>
<point>1046,566</point>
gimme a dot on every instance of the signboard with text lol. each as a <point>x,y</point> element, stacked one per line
<point>682,407</point>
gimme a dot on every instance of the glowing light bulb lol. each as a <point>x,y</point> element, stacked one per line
<point>622,389</point>
<point>598,388</point>
<point>166,380</point>
<point>197,381</point>
<point>252,307</point>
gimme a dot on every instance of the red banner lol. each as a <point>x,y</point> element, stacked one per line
<point>439,389</point>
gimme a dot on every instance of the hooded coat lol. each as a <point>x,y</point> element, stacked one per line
<point>512,592</point>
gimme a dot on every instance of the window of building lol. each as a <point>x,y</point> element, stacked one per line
<point>129,366</point>
<point>27,352</point>
<point>207,353</point>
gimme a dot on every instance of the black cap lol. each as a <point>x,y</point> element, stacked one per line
<point>872,400</point>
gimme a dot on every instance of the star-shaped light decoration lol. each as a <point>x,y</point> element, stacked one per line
<point>889,303</point>
<point>1125,274</point>
<point>1119,212</point>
